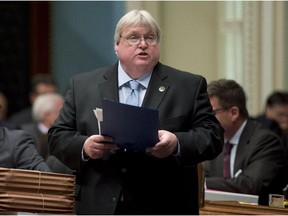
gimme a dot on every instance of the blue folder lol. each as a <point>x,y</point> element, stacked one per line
<point>132,128</point>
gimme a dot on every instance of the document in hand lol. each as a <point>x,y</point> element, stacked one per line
<point>133,128</point>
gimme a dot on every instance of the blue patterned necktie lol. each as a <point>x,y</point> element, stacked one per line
<point>133,98</point>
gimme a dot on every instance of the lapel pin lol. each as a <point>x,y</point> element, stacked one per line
<point>161,88</point>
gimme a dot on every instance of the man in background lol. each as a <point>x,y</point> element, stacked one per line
<point>40,84</point>
<point>276,110</point>
<point>253,159</point>
<point>45,110</point>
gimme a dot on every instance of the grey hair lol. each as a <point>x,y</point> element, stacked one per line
<point>45,103</point>
<point>133,18</point>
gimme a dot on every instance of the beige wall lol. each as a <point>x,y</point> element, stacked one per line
<point>189,30</point>
<point>191,35</point>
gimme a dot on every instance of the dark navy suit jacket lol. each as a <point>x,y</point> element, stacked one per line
<point>153,185</point>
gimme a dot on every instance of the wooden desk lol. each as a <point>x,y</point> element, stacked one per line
<point>234,207</point>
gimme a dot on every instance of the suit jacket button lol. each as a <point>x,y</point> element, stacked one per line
<point>114,199</point>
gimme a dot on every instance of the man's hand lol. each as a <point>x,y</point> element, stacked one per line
<point>166,146</point>
<point>97,146</point>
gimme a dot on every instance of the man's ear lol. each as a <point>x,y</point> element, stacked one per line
<point>116,48</point>
<point>235,112</point>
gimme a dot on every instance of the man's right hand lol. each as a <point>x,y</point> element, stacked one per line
<point>97,146</point>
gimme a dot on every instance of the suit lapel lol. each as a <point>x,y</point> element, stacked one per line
<point>109,87</point>
<point>157,88</point>
<point>243,145</point>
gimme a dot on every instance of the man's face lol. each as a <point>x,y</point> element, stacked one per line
<point>219,112</point>
<point>224,116</point>
<point>142,56</point>
<point>279,113</point>
<point>42,88</point>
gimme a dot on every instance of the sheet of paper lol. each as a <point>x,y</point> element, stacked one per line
<point>133,128</point>
<point>99,115</point>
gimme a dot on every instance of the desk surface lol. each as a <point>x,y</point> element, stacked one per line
<point>234,207</point>
<point>228,196</point>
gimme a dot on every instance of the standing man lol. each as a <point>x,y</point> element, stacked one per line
<point>162,180</point>
<point>255,162</point>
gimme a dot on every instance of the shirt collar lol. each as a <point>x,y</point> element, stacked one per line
<point>43,128</point>
<point>235,139</point>
<point>123,77</point>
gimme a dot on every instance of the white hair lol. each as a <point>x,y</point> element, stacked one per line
<point>45,103</point>
<point>133,18</point>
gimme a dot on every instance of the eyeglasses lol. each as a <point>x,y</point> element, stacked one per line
<point>135,40</point>
<point>215,111</point>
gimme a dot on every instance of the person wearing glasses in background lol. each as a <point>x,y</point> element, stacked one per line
<point>256,163</point>
<point>162,179</point>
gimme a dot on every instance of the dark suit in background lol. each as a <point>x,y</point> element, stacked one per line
<point>260,157</point>
<point>39,138</point>
<point>275,127</point>
<point>18,151</point>
<point>259,163</point>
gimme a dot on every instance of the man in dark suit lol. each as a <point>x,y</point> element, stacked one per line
<point>40,84</point>
<point>257,159</point>
<point>45,110</point>
<point>18,151</point>
<point>276,110</point>
<point>162,179</point>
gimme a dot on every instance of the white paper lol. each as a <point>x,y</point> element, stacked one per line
<point>99,115</point>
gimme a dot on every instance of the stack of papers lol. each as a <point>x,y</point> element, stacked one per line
<point>36,192</point>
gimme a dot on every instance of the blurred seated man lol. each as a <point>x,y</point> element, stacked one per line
<point>18,151</point>
<point>276,109</point>
<point>255,163</point>
<point>45,110</point>
<point>40,84</point>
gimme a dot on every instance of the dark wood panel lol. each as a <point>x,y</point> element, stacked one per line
<point>14,52</point>
<point>39,37</point>
<point>24,48</point>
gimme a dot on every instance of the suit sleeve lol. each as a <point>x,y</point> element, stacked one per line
<point>203,139</point>
<point>25,153</point>
<point>65,142</point>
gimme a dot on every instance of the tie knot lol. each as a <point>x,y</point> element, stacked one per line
<point>135,85</point>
